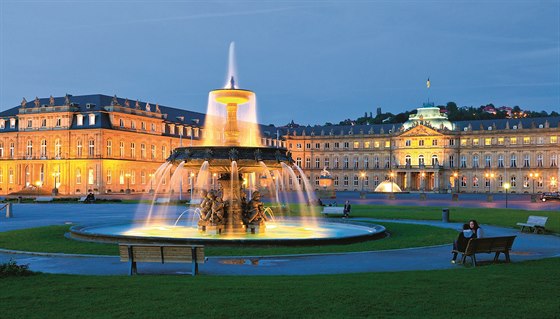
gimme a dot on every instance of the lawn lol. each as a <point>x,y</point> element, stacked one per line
<point>51,239</point>
<point>495,291</point>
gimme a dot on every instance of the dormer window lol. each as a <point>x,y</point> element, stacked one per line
<point>79,120</point>
<point>91,119</point>
<point>12,122</point>
<point>2,124</point>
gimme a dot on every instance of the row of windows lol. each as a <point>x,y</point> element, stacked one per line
<point>122,149</point>
<point>501,163</point>
<point>344,145</point>
<point>489,141</point>
<point>526,181</point>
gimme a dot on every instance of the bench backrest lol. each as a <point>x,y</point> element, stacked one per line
<point>44,199</point>
<point>161,253</point>
<point>329,209</point>
<point>537,220</point>
<point>489,244</point>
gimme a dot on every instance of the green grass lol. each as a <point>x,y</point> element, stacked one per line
<point>51,239</point>
<point>518,290</point>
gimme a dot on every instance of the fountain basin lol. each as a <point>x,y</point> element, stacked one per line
<point>282,233</point>
<point>232,96</point>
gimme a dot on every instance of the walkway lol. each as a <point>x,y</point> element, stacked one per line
<point>526,247</point>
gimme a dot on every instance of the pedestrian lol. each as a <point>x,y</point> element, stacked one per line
<point>347,208</point>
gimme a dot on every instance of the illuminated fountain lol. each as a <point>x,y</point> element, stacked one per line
<point>229,167</point>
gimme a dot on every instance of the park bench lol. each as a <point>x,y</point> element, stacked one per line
<point>332,210</point>
<point>163,200</point>
<point>534,224</point>
<point>44,199</point>
<point>134,253</point>
<point>487,245</point>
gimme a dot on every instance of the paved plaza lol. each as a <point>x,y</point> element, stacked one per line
<point>526,246</point>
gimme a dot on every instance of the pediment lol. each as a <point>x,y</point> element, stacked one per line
<point>421,130</point>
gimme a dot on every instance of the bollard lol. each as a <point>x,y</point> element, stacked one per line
<point>445,215</point>
<point>9,213</point>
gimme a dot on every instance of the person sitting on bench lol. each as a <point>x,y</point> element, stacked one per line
<point>90,198</point>
<point>462,240</point>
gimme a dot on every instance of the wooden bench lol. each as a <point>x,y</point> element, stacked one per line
<point>163,200</point>
<point>487,245</point>
<point>332,210</point>
<point>44,199</point>
<point>134,253</point>
<point>534,224</point>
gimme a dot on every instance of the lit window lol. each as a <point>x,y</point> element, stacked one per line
<point>91,119</point>
<point>513,140</point>
<point>526,140</point>
<point>475,141</point>
<point>356,144</point>
<point>500,141</point>
<point>487,141</point>
<point>553,139</point>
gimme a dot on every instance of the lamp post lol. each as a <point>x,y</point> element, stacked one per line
<point>363,177</point>
<point>456,178</point>
<point>506,187</point>
<point>423,182</point>
<point>127,175</point>
<point>55,188</point>
<point>151,175</point>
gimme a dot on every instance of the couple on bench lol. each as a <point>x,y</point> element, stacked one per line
<point>470,230</point>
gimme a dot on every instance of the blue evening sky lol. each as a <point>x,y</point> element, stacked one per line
<point>311,61</point>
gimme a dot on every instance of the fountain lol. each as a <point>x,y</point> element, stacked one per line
<point>233,211</point>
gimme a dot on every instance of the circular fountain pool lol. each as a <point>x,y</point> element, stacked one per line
<point>281,233</point>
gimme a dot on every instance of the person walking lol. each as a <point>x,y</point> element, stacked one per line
<point>347,208</point>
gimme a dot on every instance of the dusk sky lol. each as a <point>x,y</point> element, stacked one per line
<point>310,61</point>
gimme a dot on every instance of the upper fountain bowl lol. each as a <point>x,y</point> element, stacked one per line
<point>232,96</point>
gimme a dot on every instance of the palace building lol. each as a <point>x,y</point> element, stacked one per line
<point>77,144</point>
<point>430,153</point>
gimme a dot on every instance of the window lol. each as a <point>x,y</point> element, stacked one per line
<point>11,175</point>
<point>316,180</point>
<point>387,144</point>
<point>307,145</point>
<point>463,181</point>
<point>421,143</point>
<point>475,181</point>
<point>43,148</point>
<point>12,149</point>
<point>376,161</point>
<point>29,150</point>
<point>345,181</point>
<point>463,161</point>
<point>109,148</point>
<point>132,177</point>
<point>526,140</point>
<point>317,162</point>
<point>143,126</point>
<point>153,152</point>
<point>553,160</point>
<point>376,144</point>
<point>58,122</point>
<point>475,141</point>
<point>336,162</point>
<point>356,144</point>
<point>109,177</point>
<point>387,162</point>
<point>488,141</point>
<point>346,144</point>
<point>463,142</point>
<point>367,144</point>
<point>500,181</point>
<point>526,160</point>
<point>143,177</point>
<point>154,127</point>
<point>133,150</point>
<point>452,142</point>
<point>91,119</point>
<point>513,140</point>
<point>366,181</point>
<point>298,161</point>
<point>327,145</point>
<point>79,120</point>
<point>298,145</point>
<point>421,160</point>
<point>356,161</point>
<point>91,148</point>
<point>1,175</point>
<point>336,145</point>
<point>91,178</point>
<point>79,147</point>
<point>525,181</point>
<point>501,161</point>
<point>143,151</point>
<point>540,140</point>
<point>326,161</point>
<point>513,181</point>
<point>451,161</point>
<point>500,141</point>
<point>121,177</point>
<point>345,161</point>
<point>488,161</point>
<point>513,160</point>
<point>475,161</point>
<point>121,123</point>
<point>307,162</point>
<point>29,123</point>
<point>407,143</point>
<point>78,176</point>
<point>336,181</point>
<point>553,139</point>
<point>1,149</point>
<point>356,181</point>
<point>317,145</point>
<point>540,160</point>
<point>57,148</point>
<point>375,180</point>
<point>435,161</point>
<point>12,122</point>
<point>366,162</point>
<point>121,149</point>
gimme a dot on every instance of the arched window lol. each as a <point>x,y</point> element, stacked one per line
<point>43,148</point>
<point>408,160</point>
<point>421,160</point>
<point>435,160</point>
<point>78,176</point>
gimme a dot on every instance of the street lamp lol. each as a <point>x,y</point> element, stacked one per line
<point>127,175</point>
<point>151,175</point>
<point>55,175</point>
<point>456,178</point>
<point>506,187</point>
<point>363,177</point>
<point>422,182</point>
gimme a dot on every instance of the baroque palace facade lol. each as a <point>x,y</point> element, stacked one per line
<point>78,144</point>
<point>429,153</point>
<point>91,143</point>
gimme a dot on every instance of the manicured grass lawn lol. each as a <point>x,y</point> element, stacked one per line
<point>492,216</point>
<point>495,291</point>
<point>51,239</point>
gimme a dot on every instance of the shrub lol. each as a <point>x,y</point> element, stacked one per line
<point>12,269</point>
